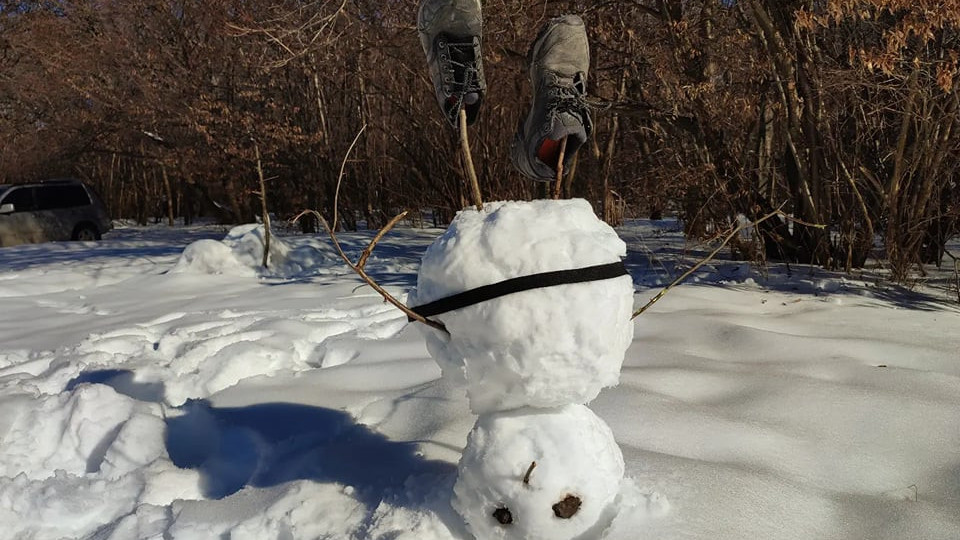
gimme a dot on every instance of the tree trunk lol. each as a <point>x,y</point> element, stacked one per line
<point>168,190</point>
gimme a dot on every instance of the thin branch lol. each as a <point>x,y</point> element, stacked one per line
<point>956,275</point>
<point>956,271</point>
<point>369,280</point>
<point>468,162</point>
<point>280,29</point>
<point>688,273</point>
<point>343,165</point>
<point>359,266</point>
<point>558,190</point>
<point>859,197</point>
<point>263,207</point>
<point>362,263</point>
<point>799,221</point>
<point>526,477</point>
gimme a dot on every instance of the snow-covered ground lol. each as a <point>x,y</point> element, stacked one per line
<point>148,392</point>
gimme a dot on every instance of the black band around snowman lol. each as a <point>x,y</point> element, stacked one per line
<point>520,284</point>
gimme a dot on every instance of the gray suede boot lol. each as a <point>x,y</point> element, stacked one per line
<point>451,32</point>
<point>559,60</point>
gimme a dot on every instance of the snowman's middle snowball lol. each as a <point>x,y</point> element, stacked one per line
<point>539,348</point>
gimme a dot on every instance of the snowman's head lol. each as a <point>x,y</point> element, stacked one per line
<point>544,346</point>
<point>539,474</point>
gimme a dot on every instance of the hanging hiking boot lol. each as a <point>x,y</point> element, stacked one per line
<point>451,35</point>
<point>559,60</point>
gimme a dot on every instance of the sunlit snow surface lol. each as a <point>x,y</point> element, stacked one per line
<point>148,395</point>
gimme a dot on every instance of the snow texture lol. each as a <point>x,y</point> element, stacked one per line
<point>141,404</point>
<point>573,455</point>
<point>540,348</point>
<point>240,253</point>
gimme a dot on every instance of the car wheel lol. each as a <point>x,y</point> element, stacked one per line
<point>85,232</point>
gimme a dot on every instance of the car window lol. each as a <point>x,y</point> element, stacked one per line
<point>21,199</point>
<point>57,197</point>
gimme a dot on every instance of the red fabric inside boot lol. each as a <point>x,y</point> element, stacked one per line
<point>549,152</point>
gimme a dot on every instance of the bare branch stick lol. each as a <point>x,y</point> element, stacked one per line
<point>369,280</point>
<point>359,267</point>
<point>956,276</point>
<point>709,258</point>
<point>362,263</point>
<point>798,221</point>
<point>526,477</point>
<point>263,208</point>
<point>571,175</point>
<point>956,271</point>
<point>468,161</point>
<point>343,165</point>
<point>558,190</point>
<point>326,226</point>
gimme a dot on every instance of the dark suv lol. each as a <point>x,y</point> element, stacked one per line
<point>51,211</point>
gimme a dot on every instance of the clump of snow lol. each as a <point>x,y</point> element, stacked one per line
<point>575,480</point>
<point>240,253</point>
<point>71,462</point>
<point>541,348</point>
<point>138,443</point>
<point>211,257</point>
<point>64,432</point>
<point>64,505</point>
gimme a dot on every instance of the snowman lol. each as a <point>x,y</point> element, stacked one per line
<point>537,304</point>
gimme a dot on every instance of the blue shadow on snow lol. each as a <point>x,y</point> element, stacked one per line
<point>123,382</point>
<point>269,444</point>
<point>272,443</point>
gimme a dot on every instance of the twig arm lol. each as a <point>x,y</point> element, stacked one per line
<point>362,263</point>
<point>358,268</point>
<point>699,265</point>
<point>366,277</point>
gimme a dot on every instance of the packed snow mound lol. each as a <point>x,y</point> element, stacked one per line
<point>73,461</point>
<point>540,348</point>
<point>211,257</point>
<point>240,253</point>
<point>65,432</point>
<point>571,489</point>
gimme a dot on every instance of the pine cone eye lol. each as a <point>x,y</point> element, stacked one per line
<point>503,516</point>
<point>568,507</point>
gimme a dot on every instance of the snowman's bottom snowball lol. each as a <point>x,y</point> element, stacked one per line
<point>570,489</point>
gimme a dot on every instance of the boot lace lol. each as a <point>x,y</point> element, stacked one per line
<point>570,99</point>
<point>459,65</point>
